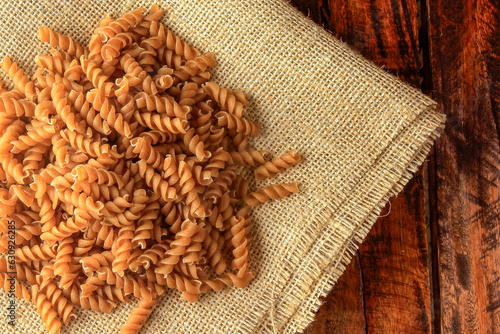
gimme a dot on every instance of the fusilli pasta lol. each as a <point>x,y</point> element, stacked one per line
<point>121,169</point>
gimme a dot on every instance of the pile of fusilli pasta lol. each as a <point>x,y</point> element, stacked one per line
<point>120,168</point>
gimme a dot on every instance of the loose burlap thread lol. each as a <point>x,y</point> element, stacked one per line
<point>361,131</point>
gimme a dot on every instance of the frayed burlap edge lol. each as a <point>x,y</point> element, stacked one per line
<point>303,304</point>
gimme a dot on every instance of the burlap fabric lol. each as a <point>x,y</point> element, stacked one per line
<point>361,131</point>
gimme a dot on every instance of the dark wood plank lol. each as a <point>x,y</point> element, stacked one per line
<point>465,59</point>
<point>394,264</point>
<point>384,31</point>
<point>394,258</point>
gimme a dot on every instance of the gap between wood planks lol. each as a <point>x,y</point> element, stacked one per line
<point>430,172</point>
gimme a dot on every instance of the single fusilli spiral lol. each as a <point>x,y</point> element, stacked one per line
<point>262,195</point>
<point>37,133</point>
<point>230,101</point>
<point>240,244</point>
<point>88,113</point>
<point>195,145</point>
<point>35,253</point>
<point>162,105</point>
<point>172,42</point>
<point>64,42</point>
<point>277,165</point>
<point>177,248</point>
<point>135,73</point>
<point>8,141</point>
<point>82,201</point>
<point>248,157</point>
<point>123,23</point>
<point>11,106</point>
<point>148,153</point>
<point>161,122</point>
<point>239,124</point>
<point>138,315</point>
<point>95,75</point>
<point>156,181</point>
<point>54,64</point>
<point>63,257</point>
<point>111,49</point>
<point>213,245</point>
<point>86,145</point>
<point>55,296</point>
<point>6,283</point>
<point>21,82</point>
<point>121,249</point>
<point>98,175</point>
<point>94,262</point>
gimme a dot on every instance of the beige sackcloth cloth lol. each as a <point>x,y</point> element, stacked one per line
<point>361,131</point>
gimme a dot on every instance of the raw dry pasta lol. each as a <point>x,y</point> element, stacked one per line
<point>121,172</point>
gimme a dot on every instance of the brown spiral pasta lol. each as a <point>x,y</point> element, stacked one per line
<point>18,108</point>
<point>55,64</point>
<point>161,122</point>
<point>96,76</point>
<point>99,175</point>
<point>189,288</point>
<point>239,124</point>
<point>121,169</point>
<point>63,256</point>
<point>123,23</point>
<point>115,44</point>
<point>63,109</point>
<point>88,113</point>
<point>8,141</point>
<point>37,133</point>
<point>230,101</point>
<point>44,308</point>
<point>196,146</point>
<point>65,229</point>
<point>145,225</point>
<point>87,146</point>
<point>277,165</point>
<point>121,249</point>
<point>108,112</point>
<point>93,262</point>
<point>138,315</point>
<point>248,157</point>
<point>162,105</point>
<point>64,42</point>
<point>20,290</point>
<point>240,243</point>
<point>55,296</point>
<point>21,82</point>
<point>148,153</point>
<point>155,181</point>
<point>274,191</point>
<point>27,226</point>
<point>177,248</point>
<point>35,253</point>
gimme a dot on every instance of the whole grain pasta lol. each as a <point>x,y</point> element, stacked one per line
<point>121,169</point>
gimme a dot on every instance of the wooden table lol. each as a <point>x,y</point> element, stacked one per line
<point>433,263</point>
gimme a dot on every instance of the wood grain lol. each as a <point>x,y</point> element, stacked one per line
<point>393,259</point>
<point>465,59</point>
<point>394,264</point>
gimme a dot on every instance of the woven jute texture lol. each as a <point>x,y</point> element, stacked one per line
<point>361,131</point>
